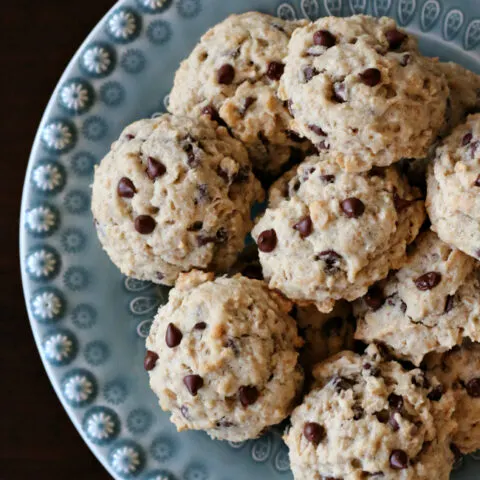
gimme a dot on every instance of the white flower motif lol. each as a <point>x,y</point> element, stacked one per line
<point>100,426</point>
<point>125,460</point>
<point>122,24</point>
<point>97,60</point>
<point>74,96</point>
<point>78,388</point>
<point>47,177</point>
<point>58,347</point>
<point>57,135</point>
<point>153,4</point>
<point>41,263</point>
<point>40,219</point>
<point>46,305</point>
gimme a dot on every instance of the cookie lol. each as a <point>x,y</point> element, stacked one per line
<point>173,194</point>
<point>369,417</point>
<point>330,234</point>
<point>359,87</point>
<point>430,304</point>
<point>325,334</point>
<point>458,371</point>
<point>222,356</point>
<point>464,88</point>
<point>232,77</point>
<point>453,187</point>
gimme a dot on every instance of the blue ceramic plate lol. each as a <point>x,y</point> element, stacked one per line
<point>88,320</point>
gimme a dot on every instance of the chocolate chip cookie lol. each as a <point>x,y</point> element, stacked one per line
<point>430,304</point>
<point>330,234</point>
<point>459,372</point>
<point>453,188</point>
<point>222,356</point>
<point>359,87</point>
<point>174,193</point>
<point>369,417</point>
<point>232,77</point>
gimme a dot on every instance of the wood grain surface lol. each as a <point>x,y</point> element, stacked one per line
<point>37,39</point>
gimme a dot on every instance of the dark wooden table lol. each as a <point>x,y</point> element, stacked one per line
<point>37,39</point>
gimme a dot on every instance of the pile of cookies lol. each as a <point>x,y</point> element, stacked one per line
<point>356,316</point>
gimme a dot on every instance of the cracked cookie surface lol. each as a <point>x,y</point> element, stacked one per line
<point>173,194</point>
<point>226,356</point>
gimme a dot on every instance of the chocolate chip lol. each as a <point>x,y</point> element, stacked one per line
<point>193,383</point>
<point>223,174</point>
<point>249,101</point>
<point>331,260</point>
<point>322,146</point>
<point>202,193</point>
<point>421,381</point>
<point>428,281</point>
<point>339,92</point>
<point>457,454</point>
<point>184,411</point>
<point>436,393</point>
<point>371,77</point>
<point>395,402</point>
<point>473,387</point>
<point>383,350</point>
<point>327,178</point>
<point>145,224</point>
<point>309,73</point>
<point>304,226</point>
<point>160,276</point>
<point>358,412</point>
<point>403,306</point>
<point>395,38</point>
<point>150,360</point>
<point>173,337</point>
<point>155,168</point>
<point>467,139</point>
<point>342,383</point>
<point>129,136</point>
<point>294,136</point>
<point>267,241</point>
<point>367,366</point>
<point>374,297</point>
<point>324,38</point>
<point>449,301</point>
<point>313,432</point>
<point>192,160</point>
<point>211,111</point>
<point>383,416</point>
<point>247,395</point>
<point>401,203</point>
<point>398,460</point>
<point>275,70</point>
<point>126,188</point>
<point>405,60</point>
<point>352,207</point>
<point>393,423</point>
<point>225,74</point>
<point>317,130</point>
<point>200,326</point>
<point>477,182</point>
<point>195,227</point>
